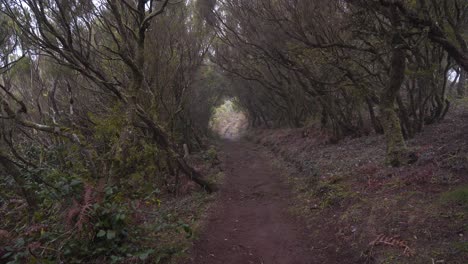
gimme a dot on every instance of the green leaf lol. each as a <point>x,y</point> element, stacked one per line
<point>7,255</point>
<point>144,255</point>
<point>20,242</point>
<point>110,234</point>
<point>101,233</point>
<point>75,182</point>
<point>187,230</point>
<point>120,217</point>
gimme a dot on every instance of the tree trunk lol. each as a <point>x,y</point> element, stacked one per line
<point>375,121</point>
<point>405,120</point>
<point>396,147</point>
<point>461,84</point>
<point>11,169</point>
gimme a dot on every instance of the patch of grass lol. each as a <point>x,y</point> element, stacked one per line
<point>192,211</point>
<point>460,101</point>
<point>331,193</point>
<point>211,154</point>
<point>216,179</point>
<point>457,196</point>
<point>355,212</point>
<point>390,257</point>
<point>461,247</point>
<point>174,243</point>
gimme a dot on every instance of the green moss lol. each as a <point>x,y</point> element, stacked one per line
<point>211,153</point>
<point>396,147</point>
<point>330,193</point>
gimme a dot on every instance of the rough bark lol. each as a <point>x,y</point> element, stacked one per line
<point>396,147</point>
<point>375,121</point>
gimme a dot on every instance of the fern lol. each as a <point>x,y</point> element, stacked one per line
<point>392,241</point>
<point>88,201</point>
<point>72,212</point>
<point>82,212</point>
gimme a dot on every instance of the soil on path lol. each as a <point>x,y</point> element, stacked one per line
<point>250,222</point>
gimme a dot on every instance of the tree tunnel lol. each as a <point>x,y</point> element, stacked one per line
<point>228,120</point>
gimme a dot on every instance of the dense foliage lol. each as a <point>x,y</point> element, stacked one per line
<point>97,100</point>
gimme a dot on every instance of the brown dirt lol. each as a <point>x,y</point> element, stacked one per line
<point>250,223</point>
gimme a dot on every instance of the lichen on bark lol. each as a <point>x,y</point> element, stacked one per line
<point>396,146</point>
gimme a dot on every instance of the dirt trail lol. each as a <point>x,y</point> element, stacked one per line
<point>250,222</point>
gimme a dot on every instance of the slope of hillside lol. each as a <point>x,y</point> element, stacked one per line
<point>413,214</point>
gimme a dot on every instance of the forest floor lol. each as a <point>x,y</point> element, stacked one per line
<point>352,202</point>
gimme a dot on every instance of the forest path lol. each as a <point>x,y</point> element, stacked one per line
<point>250,222</point>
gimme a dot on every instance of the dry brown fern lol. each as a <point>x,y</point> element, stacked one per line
<point>393,241</point>
<point>78,215</point>
<point>88,201</point>
<point>72,212</point>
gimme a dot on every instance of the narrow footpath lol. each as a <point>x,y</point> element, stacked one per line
<point>250,222</point>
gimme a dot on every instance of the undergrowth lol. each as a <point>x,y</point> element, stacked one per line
<point>130,205</point>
